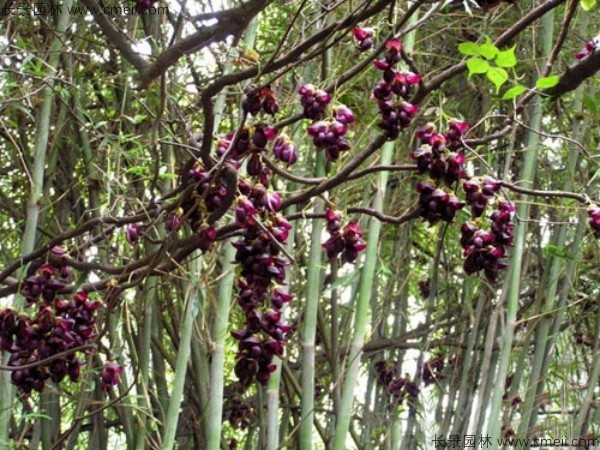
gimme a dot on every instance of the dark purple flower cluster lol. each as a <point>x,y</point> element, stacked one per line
<point>434,156</point>
<point>399,388</point>
<point>239,412</point>
<point>176,221</point>
<point>436,204</point>
<point>588,48</point>
<point>262,271</point>
<point>329,136</point>
<point>251,141</point>
<point>395,114</point>
<point>456,129</point>
<point>432,370</point>
<point>133,231</point>
<point>485,250</point>
<point>212,194</point>
<point>314,101</point>
<point>58,325</point>
<point>285,150</point>
<point>364,38</point>
<point>207,235</point>
<point>344,115</point>
<point>479,193</point>
<point>347,242</point>
<point>47,281</point>
<point>144,5</point>
<point>594,219</point>
<point>110,376</point>
<point>507,431</point>
<point>581,339</point>
<point>256,99</point>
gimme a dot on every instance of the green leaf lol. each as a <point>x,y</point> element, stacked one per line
<point>590,103</point>
<point>477,65</point>
<point>587,5</point>
<point>498,76</point>
<point>557,252</point>
<point>513,92</point>
<point>488,50</point>
<point>469,49</point>
<point>506,58</point>
<point>344,281</point>
<point>547,82</point>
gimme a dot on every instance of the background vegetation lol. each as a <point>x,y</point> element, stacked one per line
<point>102,118</point>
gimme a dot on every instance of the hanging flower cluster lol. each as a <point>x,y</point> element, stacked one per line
<point>589,47</point>
<point>396,113</point>
<point>364,38</point>
<point>479,193</point>
<point>432,370</point>
<point>57,326</point>
<point>313,101</point>
<point>594,219</point>
<point>347,242</point>
<point>398,387</point>
<point>257,99</point>
<point>485,250</point>
<point>259,253</point>
<point>328,135</point>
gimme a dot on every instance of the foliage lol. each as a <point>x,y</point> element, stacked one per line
<point>280,224</point>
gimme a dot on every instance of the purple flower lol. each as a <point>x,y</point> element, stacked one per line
<point>344,115</point>
<point>132,233</point>
<point>594,219</point>
<point>285,150</point>
<point>110,376</point>
<point>207,235</point>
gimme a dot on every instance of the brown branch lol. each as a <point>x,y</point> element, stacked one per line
<point>501,40</point>
<point>231,22</point>
<point>397,220</point>
<point>575,75</point>
<point>538,193</point>
<point>340,176</point>
<point>115,36</point>
<point>294,54</point>
<point>44,361</point>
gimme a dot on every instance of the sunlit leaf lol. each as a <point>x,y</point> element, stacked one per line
<point>547,82</point>
<point>477,65</point>
<point>488,50</point>
<point>513,92</point>
<point>469,49</point>
<point>506,58</point>
<point>498,76</point>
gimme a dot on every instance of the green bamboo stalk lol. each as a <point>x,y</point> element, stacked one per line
<point>181,365</point>
<point>90,170</point>
<point>362,307</point>
<point>115,324</point>
<point>486,367</point>
<point>221,321</point>
<point>527,177</point>
<point>50,419</point>
<point>468,363</point>
<point>399,327</point>
<point>159,371</point>
<point>275,380</point>
<point>594,376</point>
<point>200,352</point>
<point>309,330</point>
<point>548,330</point>
<point>7,391</point>
<point>144,406</point>
<point>456,383</point>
